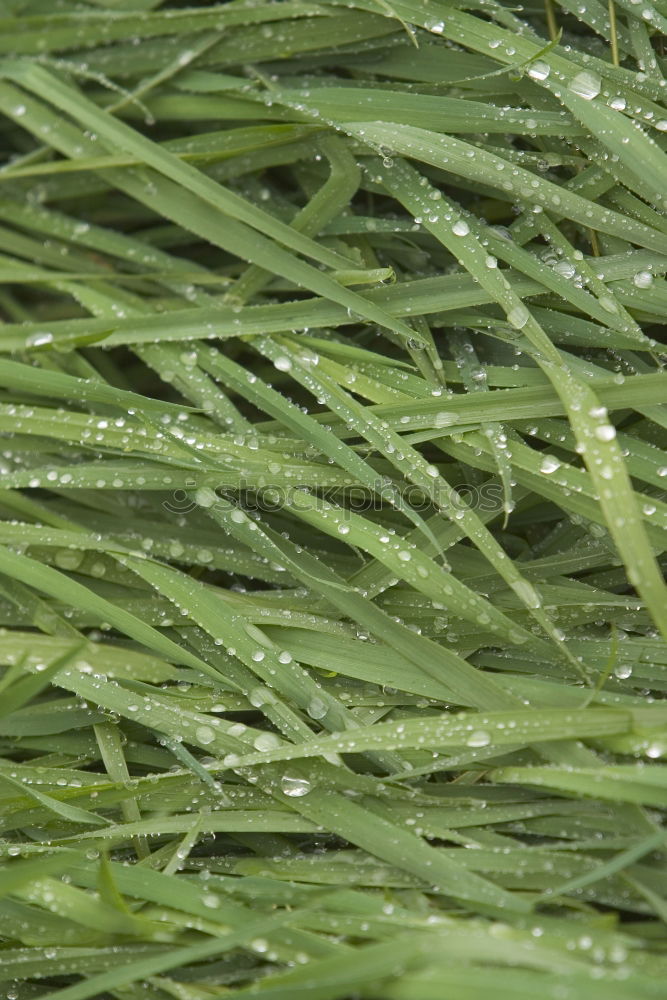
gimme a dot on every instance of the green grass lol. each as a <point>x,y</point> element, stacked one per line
<point>333,515</point>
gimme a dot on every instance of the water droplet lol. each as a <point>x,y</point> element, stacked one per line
<point>609,303</point>
<point>210,901</point>
<point>444,419</point>
<point>294,786</point>
<point>204,734</point>
<point>539,70</point>
<point>527,593</point>
<point>549,464</point>
<point>623,671</point>
<point>565,268</point>
<point>265,742</point>
<point>460,228</point>
<point>205,497</point>
<point>518,316</point>
<point>587,85</point>
<point>261,695</point>
<point>317,708</point>
<point>68,559</point>
<point>39,339</point>
<point>643,279</point>
<point>478,738</point>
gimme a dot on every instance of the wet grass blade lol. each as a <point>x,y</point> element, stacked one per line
<point>332,528</point>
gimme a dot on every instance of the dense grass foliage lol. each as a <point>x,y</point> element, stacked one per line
<point>332,658</point>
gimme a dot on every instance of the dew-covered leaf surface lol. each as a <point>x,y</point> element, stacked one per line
<point>333,516</point>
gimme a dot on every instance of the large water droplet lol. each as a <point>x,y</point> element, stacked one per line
<point>549,464</point>
<point>317,708</point>
<point>643,279</point>
<point>265,742</point>
<point>205,497</point>
<point>623,671</point>
<point>518,316</point>
<point>478,738</point>
<point>39,339</point>
<point>294,786</point>
<point>539,70</point>
<point>444,419</point>
<point>587,85</point>
<point>527,593</point>
<point>68,559</point>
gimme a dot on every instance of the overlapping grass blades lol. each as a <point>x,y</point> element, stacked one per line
<point>332,543</point>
